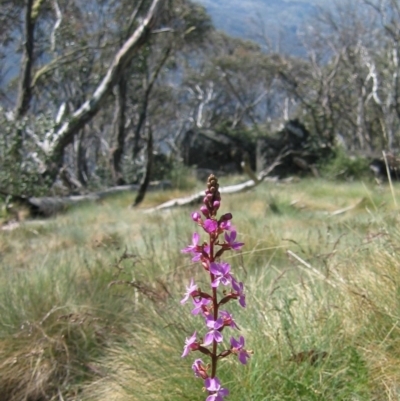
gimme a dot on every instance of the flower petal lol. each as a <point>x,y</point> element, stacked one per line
<point>218,337</point>
<point>208,338</point>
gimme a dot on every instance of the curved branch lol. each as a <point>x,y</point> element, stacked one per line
<point>65,134</point>
<point>231,189</point>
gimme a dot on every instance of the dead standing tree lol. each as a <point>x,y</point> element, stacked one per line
<point>64,134</point>
<point>25,85</point>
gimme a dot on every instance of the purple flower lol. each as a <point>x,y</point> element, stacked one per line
<point>195,243</point>
<point>194,248</point>
<point>228,319</point>
<point>213,385</point>
<point>189,291</point>
<point>225,225</point>
<point>210,226</point>
<point>221,236</point>
<point>198,369</point>
<point>230,240</point>
<point>221,271</point>
<point>238,287</point>
<point>199,306</point>
<point>213,334</point>
<point>237,348</point>
<point>190,345</point>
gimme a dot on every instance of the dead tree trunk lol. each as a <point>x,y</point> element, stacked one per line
<point>25,88</point>
<point>81,165</point>
<point>149,165</point>
<point>65,134</point>
<point>119,131</point>
<point>145,103</point>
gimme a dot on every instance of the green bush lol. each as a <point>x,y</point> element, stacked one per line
<point>21,159</point>
<point>342,166</point>
<point>181,176</point>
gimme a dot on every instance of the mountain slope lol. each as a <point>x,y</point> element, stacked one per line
<point>273,23</point>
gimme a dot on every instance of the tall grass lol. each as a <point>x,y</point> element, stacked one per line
<point>89,301</point>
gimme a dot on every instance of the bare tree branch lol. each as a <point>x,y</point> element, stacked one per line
<point>56,25</point>
<point>231,189</point>
<point>65,134</point>
<point>143,111</point>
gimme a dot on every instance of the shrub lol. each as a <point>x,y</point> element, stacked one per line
<point>342,166</point>
<point>21,160</point>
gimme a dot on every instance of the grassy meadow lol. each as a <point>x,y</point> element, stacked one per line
<point>89,300</point>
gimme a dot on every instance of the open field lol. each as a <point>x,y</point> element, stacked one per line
<point>89,300</point>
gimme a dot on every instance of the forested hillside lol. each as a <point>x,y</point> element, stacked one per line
<point>273,24</point>
<point>111,92</point>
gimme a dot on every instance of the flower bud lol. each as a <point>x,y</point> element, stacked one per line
<point>216,205</point>
<point>226,216</point>
<point>205,211</point>
<point>212,181</point>
<point>196,216</point>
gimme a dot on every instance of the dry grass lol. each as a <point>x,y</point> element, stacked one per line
<point>317,284</point>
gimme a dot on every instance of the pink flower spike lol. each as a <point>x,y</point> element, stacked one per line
<point>190,345</point>
<point>213,385</point>
<point>213,334</point>
<point>189,291</point>
<point>237,347</point>
<point>210,226</point>
<point>207,248</point>
<point>230,240</point>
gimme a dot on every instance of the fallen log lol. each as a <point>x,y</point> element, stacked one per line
<point>231,189</point>
<point>48,206</point>
<point>198,197</point>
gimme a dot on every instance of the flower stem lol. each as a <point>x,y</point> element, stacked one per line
<point>214,358</point>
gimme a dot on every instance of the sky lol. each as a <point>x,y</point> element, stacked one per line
<point>272,23</point>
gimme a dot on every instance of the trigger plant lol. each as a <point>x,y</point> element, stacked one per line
<point>223,288</point>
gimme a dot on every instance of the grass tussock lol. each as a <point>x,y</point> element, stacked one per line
<point>89,301</point>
